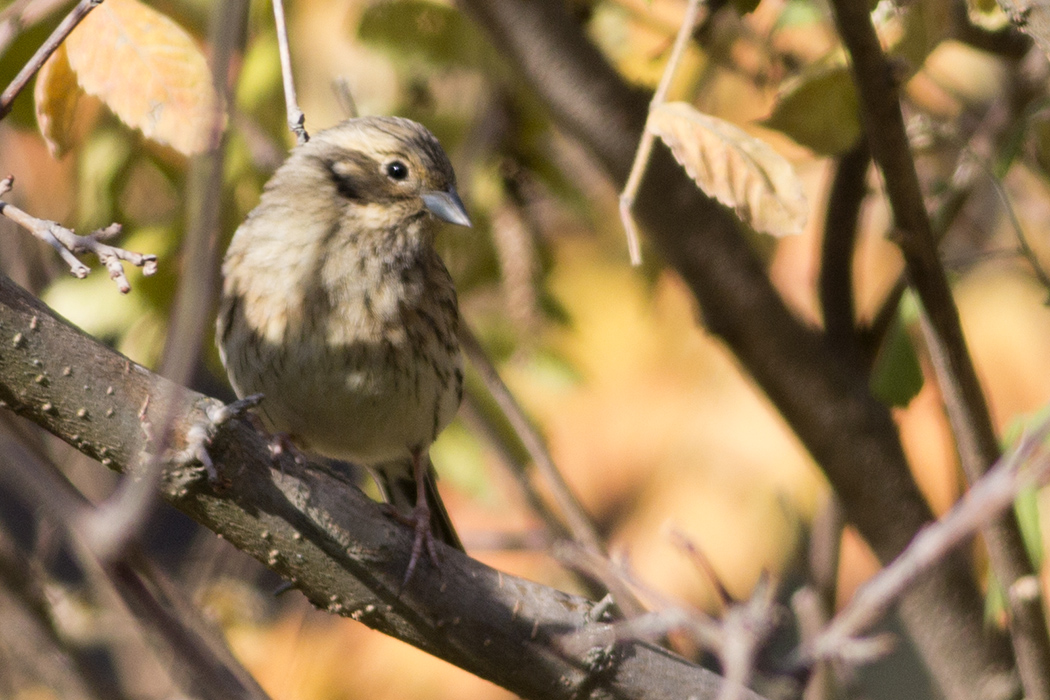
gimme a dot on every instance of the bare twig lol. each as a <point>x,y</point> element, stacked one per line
<point>825,548</point>
<point>579,523</point>
<point>69,244</point>
<point>1023,246</point>
<point>35,633</point>
<point>30,69</point>
<point>205,665</point>
<point>1027,464</point>
<point>296,118</point>
<point>645,146</point>
<point>618,579</point>
<point>703,563</point>
<point>735,640</point>
<point>746,628</point>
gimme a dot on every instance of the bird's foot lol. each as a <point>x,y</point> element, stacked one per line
<point>284,444</point>
<point>200,434</point>
<point>419,521</point>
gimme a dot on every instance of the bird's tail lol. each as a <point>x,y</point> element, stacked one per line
<point>398,484</point>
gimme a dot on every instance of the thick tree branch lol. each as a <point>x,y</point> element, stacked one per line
<point>824,397</point>
<point>325,536</point>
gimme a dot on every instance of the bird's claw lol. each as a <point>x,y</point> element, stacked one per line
<point>219,414</point>
<point>284,444</point>
<point>194,457</point>
<point>419,521</point>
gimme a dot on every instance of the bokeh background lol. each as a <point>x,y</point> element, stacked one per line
<point>650,419</point>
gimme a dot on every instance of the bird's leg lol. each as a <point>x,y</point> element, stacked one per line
<point>420,518</point>
<point>284,443</point>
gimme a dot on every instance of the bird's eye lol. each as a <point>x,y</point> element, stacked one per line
<point>397,170</point>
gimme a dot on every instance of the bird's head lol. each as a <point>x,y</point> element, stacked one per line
<point>387,167</point>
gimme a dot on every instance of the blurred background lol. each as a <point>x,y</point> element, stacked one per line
<point>649,418</point>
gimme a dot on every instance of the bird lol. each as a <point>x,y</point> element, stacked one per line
<point>337,308</point>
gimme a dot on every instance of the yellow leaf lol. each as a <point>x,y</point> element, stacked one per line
<point>149,71</point>
<point>56,94</point>
<point>737,169</point>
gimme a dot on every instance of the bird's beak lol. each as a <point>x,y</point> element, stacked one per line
<point>447,206</point>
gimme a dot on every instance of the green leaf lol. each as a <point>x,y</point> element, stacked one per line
<point>987,14</point>
<point>799,13</point>
<point>897,376</point>
<point>819,110</point>
<point>926,24</point>
<point>259,83</point>
<point>425,33</point>
<point>460,459</point>
<point>104,157</point>
<point>1026,506</point>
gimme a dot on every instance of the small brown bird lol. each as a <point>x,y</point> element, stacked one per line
<point>336,307</point>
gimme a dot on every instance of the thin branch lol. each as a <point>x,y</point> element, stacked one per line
<point>1027,464</point>
<point>296,118</point>
<point>825,550</point>
<point>30,69</point>
<point>747,627</point>
<point>704,565</point>
<point>205,665</point>
<point>69,244</point>
<point>621,584</point>
<point>579,522</point>
<point>736,640</point>
<point>645,146</point>
<point>967,408</point>
<point>845,197</point>
<point>1024,247</point>
<point>811,617</point>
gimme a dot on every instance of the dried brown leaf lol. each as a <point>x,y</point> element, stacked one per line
<point>148,70</point>
<point>56,95</point>
<point>738,170</point>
